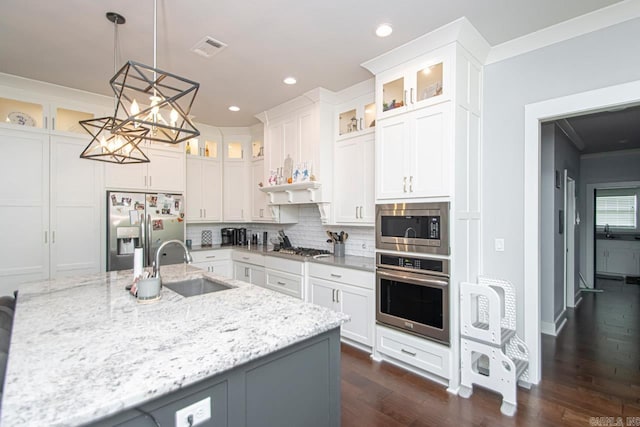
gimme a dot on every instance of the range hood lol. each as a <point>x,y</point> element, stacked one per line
<point>299,193</point>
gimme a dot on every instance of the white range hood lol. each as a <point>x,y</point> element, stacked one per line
<point>299,193</point>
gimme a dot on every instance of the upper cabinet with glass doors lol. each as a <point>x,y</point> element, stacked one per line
<point>36,113</point>
<point>413,85</point>
<point>356,117</point>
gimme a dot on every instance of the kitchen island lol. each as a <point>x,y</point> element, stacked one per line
<point>83,351</point>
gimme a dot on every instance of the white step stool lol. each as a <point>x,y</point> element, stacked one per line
<point>493,356</point>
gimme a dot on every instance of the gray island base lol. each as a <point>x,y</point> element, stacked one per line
<point>296,386</point>
<point>84,352</point>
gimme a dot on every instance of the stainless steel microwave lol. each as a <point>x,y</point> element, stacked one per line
<point>413,227</point>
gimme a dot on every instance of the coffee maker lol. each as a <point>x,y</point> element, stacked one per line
<point>241,236</point>
<point>229,236</point>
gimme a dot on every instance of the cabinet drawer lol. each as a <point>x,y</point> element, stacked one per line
<point>423,354</point>
<point>289,284</point>
<point>363,279</point>
<point>212,255</point>
<point>283,264</point>
<point>248,257</point>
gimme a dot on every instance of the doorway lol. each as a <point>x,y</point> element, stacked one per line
<point>592,101</point>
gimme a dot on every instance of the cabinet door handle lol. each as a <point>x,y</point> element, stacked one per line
<point>46,122</point>
<point>336,275</point>
<point>281,283</point>
<point>46,237</point>
<point>404,184</point>
<point>356,212</point>
<point>333,295</point>
<point>145,180</point>
<point>411,184</point>
<point>245,257</point>
<point>205,213</point>
<point>410,353</point>
<point>211,256</point>
<point>361,123</point>
<point>337,295</point>
<point>361,214</point>
<point>411,96</point>
<point>150,181</point>
<point>246,272</point>
<point>53,236</point>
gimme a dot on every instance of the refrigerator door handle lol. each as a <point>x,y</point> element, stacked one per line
<point>148,242</point>
<point>143,236</point>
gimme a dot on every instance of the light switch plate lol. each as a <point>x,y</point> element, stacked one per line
<point>499,245</point>
<point>199,413</point>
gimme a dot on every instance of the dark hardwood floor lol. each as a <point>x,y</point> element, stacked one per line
<point>592,369</point>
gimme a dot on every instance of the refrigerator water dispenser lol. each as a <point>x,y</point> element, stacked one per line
<point>128,239</point>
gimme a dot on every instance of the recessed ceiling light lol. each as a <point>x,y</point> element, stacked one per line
<point>290,80</point>
<point>384,30</point>
<point>234,108</point>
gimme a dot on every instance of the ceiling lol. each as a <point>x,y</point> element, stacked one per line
<point>604,131</point>
<point>321,43</point>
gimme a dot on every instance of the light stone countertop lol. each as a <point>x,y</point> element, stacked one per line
<point>83,348</point>
<point>348,261</point>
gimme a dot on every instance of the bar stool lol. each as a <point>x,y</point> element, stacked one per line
<point>8,301</point>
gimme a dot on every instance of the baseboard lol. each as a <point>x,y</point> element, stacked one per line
<point>578,301</point>
<point>554,328</point>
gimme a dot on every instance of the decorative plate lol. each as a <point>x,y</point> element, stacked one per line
<point>18,118</point>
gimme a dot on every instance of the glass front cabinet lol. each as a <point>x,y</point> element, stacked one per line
<point>413,85</point>
<point>356,117</point>
<point>34,113</point>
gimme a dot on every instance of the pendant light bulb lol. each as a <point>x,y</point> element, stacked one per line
<point>135,109</point>
<point>173,116</point>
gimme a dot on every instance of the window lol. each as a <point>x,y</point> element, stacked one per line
<point>617,211</point>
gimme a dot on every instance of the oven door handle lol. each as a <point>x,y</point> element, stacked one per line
<point>412,278</point>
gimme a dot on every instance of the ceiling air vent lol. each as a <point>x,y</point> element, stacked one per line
<point>208,47</point>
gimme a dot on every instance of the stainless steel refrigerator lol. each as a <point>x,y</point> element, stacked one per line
<point>143,220</point>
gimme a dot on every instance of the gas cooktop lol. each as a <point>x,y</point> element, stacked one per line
<point>305,252</point>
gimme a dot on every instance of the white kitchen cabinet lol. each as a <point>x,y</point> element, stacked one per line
<point>284,275</point>
<point>355,116</point>
<point>618,257</point>
<point>37,112</point>
<point>50,207</point>
<point>353,175</point>
<point>165,172</point>
<point>249,267</point>
<point>235,196</point>
<point>216,261</point>
<point>348,291</point>
<point>413,154</point>
<point>75,194</point>
<point>415,84</point>
<point>303,129</point>
<point>204,189</point>
<point>259,208</point>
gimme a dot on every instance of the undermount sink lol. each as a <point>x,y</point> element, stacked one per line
<point>197,286</point>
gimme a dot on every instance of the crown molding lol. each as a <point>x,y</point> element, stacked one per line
<point>578,26</point>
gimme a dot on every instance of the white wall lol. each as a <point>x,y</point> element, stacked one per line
<point>599,59</point>
<point>308,232</point>
<point>558,154</point>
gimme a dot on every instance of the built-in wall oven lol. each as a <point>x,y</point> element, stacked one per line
<point>412,294</point>
<point>413,227</point>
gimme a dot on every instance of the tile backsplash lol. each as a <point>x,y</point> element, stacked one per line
<point>308,232</point>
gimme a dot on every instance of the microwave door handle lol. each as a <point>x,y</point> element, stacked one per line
<point>395,276</point>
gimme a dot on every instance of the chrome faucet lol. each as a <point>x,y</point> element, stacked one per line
<point>156,263</point>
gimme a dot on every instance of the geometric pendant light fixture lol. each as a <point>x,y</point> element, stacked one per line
<point>106,144</point>
<point>155,99</point>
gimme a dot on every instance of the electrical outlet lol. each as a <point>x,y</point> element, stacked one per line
<point>364,246</point>
<point>499,245</point>
<point>194,414</point>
